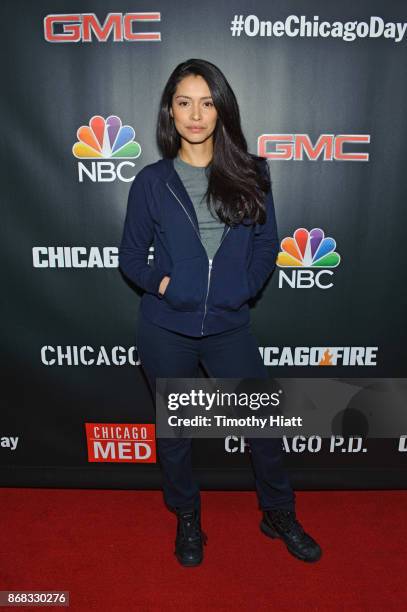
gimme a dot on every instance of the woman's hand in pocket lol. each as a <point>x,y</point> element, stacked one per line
<point>163,284</point>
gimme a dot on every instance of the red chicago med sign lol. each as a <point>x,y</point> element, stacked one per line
<point>121,442</point>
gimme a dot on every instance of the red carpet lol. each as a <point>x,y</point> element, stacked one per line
<point>113,550</point>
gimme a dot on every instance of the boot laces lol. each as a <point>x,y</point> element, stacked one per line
<point>287,521</point>
<point>190,527</point>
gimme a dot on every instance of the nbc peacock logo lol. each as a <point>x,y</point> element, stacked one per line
<point>102,140</point>
<point>307,249</point>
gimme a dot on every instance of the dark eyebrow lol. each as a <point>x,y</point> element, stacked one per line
<point>189,98</point>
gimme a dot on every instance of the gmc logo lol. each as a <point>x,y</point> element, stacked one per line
<point>295,146</point>
<point>84,27</point>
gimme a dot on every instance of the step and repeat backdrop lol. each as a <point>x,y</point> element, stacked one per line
<point>321,88</point>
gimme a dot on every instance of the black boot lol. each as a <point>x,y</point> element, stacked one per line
<point>190,538</point>
<point>281,523</point>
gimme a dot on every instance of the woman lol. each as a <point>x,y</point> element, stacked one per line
<point>208,207</point>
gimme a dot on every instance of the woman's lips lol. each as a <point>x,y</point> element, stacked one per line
<point>196,129</point>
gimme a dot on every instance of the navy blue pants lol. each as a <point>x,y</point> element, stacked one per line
<point>232,354</point>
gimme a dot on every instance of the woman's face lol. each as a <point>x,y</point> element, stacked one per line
<point>193,110</point>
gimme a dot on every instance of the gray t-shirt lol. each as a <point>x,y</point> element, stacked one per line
<point>196,182</point>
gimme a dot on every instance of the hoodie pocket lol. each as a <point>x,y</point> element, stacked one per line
<point>229,284</point>
<point>187,286</point>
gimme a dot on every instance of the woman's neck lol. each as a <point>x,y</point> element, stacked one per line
<point>200,160</point>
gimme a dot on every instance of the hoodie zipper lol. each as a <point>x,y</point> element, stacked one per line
<point>210,261</point>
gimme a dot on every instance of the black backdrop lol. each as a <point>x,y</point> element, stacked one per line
<point>58,299</point>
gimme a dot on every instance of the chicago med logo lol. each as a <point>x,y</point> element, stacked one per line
<point>297,146</point>
<point>121,443</point>
<point>76,27</point>
<point>105,139</point>
<point>310,250</point>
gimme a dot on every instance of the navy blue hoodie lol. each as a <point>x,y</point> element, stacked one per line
<point>203,296</point>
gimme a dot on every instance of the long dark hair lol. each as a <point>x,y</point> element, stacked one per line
<point>237,182</point>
